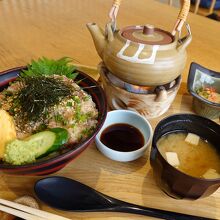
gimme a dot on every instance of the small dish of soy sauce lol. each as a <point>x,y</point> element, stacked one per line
<point>125,136</point>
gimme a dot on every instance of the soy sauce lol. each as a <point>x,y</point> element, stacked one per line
<point>122,137</point>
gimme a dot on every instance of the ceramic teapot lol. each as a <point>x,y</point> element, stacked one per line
<point>142,54</point>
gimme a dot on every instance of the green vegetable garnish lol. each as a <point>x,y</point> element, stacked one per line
<point>76,99</point>
<point>48,67</point>
<point>60,119</point>
<point>69,104</point>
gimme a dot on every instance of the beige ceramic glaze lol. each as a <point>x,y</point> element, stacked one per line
<point>148,105</point>
<point>141,55</point>
<point>163,63</point>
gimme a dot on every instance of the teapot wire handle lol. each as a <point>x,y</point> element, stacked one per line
<point>182,16</point>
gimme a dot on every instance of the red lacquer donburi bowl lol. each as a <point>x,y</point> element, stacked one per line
<point>57,162</point>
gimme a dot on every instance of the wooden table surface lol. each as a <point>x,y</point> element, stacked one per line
<point>55,28</point>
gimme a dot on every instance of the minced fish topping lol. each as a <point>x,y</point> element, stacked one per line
<point>39,103</point>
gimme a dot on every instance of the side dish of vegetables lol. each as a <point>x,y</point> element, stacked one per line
<point>209,93</point>
<point>43,109</point>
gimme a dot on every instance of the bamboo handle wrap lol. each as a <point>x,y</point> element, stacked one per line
<point>180,19</point>
<point>182,16</point>
<point>114,9</point>
<point>185,10</point>
<point>116,3</point>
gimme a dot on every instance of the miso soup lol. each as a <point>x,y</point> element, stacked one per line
<point>190,154</point>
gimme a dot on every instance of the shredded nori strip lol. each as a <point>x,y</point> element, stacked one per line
<point>38,95</point>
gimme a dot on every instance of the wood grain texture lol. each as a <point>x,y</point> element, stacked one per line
<point>56,28</point>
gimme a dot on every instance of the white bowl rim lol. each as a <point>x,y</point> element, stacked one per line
<point>97,138</point>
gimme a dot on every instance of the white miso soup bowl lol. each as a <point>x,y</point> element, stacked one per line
<point>131,118</point>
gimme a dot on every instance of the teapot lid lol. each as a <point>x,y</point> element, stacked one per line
<point>147,34</point>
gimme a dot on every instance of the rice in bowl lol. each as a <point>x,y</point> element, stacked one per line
<point>74,111</point>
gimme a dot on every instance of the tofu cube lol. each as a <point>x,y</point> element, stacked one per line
<point>192,139</point>
<point>172,159</point>
<point>211,174</point>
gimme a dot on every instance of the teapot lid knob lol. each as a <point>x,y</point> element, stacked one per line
<point>147,34</point>
<point>148,29</point>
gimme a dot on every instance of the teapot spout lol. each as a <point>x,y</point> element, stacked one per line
<point>98,37</point>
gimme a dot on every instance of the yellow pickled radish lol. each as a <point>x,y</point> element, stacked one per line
<point>7,130</point>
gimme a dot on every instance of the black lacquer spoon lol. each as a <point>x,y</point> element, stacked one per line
<point>70,195</point>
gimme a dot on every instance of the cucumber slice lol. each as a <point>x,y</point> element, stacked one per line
<point>20,152</point>
<point>61,138</point>
<point>40,142</point>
